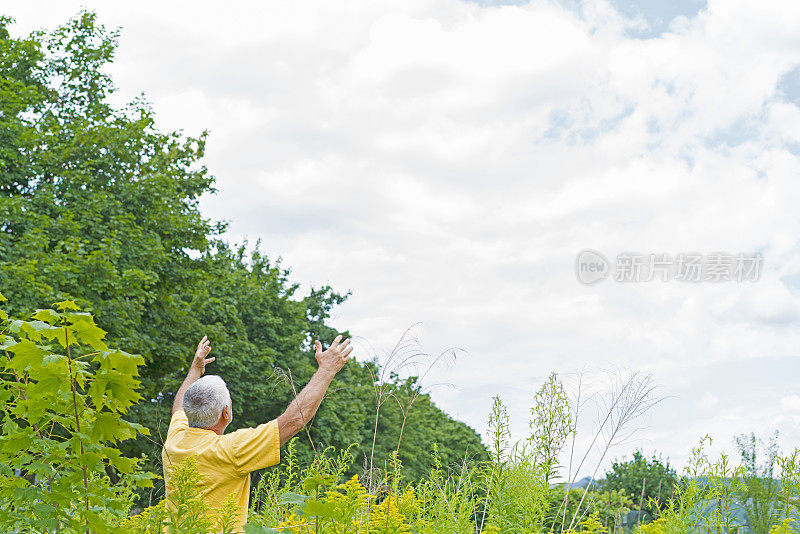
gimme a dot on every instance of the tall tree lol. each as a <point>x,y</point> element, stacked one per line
<point>646,480</point>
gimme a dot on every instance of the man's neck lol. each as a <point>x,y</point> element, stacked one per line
<point>219,428</point>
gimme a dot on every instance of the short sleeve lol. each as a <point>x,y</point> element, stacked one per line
<point>177,423</point>
<point>255,448</point>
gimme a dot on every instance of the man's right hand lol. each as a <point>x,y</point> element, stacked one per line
<point>200,360</point>
<point>334,358</point>
<point>303,408</point>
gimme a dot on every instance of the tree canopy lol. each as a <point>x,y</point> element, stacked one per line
<point>653,476</point>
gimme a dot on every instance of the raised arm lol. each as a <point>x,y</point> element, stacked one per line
<point>196,370</point>
<point>302,409</point>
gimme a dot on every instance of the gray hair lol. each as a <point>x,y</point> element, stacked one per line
<point>204,401</point>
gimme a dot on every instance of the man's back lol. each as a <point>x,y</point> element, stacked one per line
<point>225,461</point>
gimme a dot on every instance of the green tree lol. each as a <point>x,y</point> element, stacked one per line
<point>654,475</point>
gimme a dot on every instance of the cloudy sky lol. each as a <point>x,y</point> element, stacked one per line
<point>446,160</point>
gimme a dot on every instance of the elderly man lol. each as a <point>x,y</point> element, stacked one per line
<point>202,410</point>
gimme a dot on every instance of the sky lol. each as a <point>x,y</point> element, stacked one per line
<point>447,160</point>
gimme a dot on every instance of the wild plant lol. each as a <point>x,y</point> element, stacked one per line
<point>517,478</point>
<point>784,527</point>
<point>685,509</point>
<point>187,512</point>
<point>448,500</point>
<point>576,406</point>
<point>789,495</point>
<point>760,499</point>
<point>550,425</point>
<point>284,490</point>
<point>726,483</point>
<point>406,357</point>
<point>609,507</point>
<point>625,401</point>
<point>63,398</point>
<point>151,520</point>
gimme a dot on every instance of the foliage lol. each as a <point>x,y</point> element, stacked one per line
<point>448,498</point>
<point>789,497</point>
<point>63,470</point>
<point>509,493</point>
<point>725,486</point>
<point>710,497</point>
<point>550,425</point>
<point>785,527</point>
<point>760,498</point>
<point>655,527</point>
<point>517,493</point>
<point>185,511</point>
<point>63,396</point>
<point>654,475</point>
<point>608,506</point>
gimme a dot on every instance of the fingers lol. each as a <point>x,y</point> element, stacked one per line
<point>346,352</point>
<point>209,360</point>
<point>203,348</point>
<point>318,346</point>
<point>335,342</point>
<point>343,345</point>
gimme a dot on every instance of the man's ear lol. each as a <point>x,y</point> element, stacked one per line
<point>226,413</point>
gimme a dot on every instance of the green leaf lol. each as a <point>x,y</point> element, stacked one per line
<point>51,377</point>
<point>26,355</point>
<point>292,498</point>
<point>318,508</point>
<point>67,305</point>
<point>107,426</point>
<point>121,361</point>
<point>259,529</point>
<point>60,334</point>
<point>47,315</point>
<point>88,332</point>
<point>115,390</point>
<point>312,483</point>
<point>38,325</point>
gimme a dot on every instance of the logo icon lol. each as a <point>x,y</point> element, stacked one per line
<point>591,267</point>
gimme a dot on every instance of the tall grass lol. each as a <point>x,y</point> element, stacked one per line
<point>520,489</point>
<point>527,486</point>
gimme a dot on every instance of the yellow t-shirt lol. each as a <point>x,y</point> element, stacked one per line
<point>224,461</point>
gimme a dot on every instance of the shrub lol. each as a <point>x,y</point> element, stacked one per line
<point>63,398</point>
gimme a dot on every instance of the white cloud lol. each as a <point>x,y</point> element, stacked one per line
<point>791,403</point>
<point>446,161</point>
